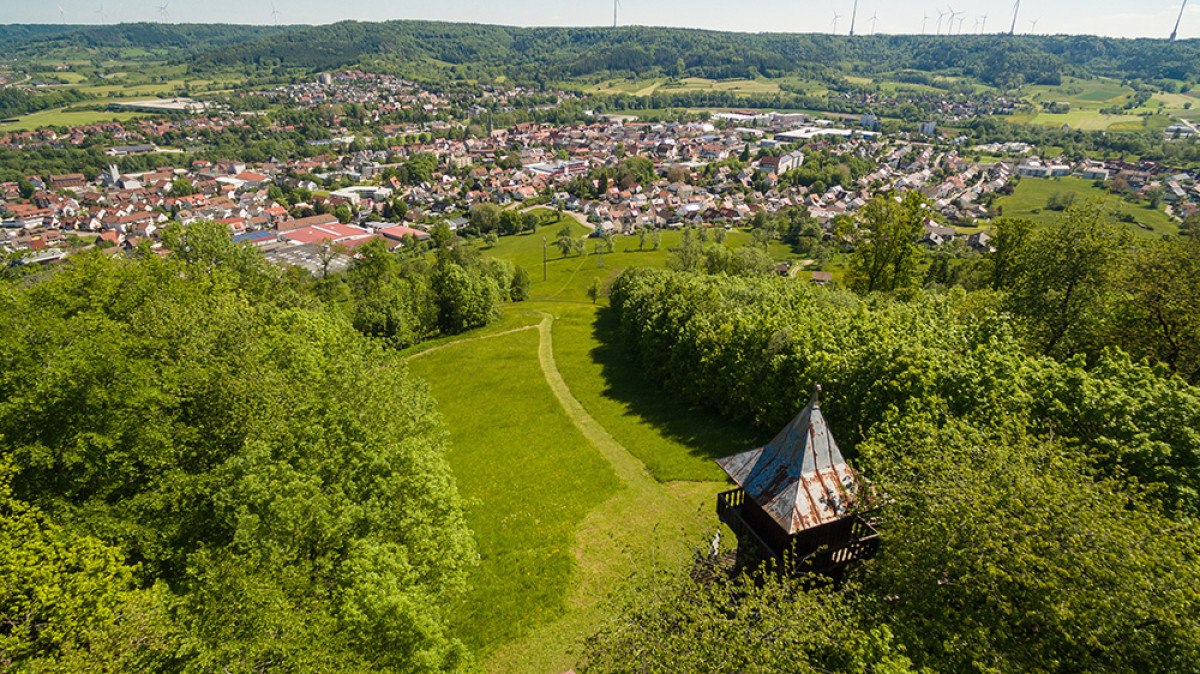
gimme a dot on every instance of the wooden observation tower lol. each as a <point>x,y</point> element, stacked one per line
<point>798,502</point>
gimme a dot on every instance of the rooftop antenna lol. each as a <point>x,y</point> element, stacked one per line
<point>853,18</point>
<point>616,6</point>
<point>162,12</point>
<point>925,22</point>
<point>941,17</point>
<point>836,17</point>
<point>1175,33</point>
<point>1016,12</point>
<point>874,21</point>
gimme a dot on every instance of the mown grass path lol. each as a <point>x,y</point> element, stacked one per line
<point>629,469</point>
<point>646,523</point>
<point>563,513</point>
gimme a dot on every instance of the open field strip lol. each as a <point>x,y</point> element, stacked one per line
<point>562,511</point>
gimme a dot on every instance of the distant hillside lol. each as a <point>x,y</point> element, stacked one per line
<point>562,53</point>
<point>552,54</point>
<point>13,35</point>
<point>184,38</point>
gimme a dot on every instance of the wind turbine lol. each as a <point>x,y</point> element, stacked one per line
<point>616,6</point>
<point>162,12</point>
<point>836,17</point>
<point>953,17</point>
<point>1175,33</point>
<point>983,24</point>
<point>854,18</point>
<point>925,22</point>
<point>101,14</point>
<point>962,18</point>
<point>1016,13</point>
<point>275,13</point>
<point>874,21</point>
<point>941,16</point>
<point>1033,26</point>
<point>62,14</point>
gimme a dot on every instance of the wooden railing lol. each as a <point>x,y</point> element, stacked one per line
<point>831,548</point>
<point>731,499</point>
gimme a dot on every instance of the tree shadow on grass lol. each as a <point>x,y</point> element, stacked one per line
<point>706,433</point>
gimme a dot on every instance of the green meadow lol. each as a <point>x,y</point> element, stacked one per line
<point>65,117</point>
<point>1031,196</point>
<point>1088,97</point>
<point>577,471</point>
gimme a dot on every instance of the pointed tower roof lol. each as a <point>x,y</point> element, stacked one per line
<point>800,478</point>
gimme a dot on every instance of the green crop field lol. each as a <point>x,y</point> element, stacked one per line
<point>1094,92</point>
<point>663,85</point>
<point>64,117</point>
<point>1085,120</point>
<point>1088,97</point>
<point>1032,194</point>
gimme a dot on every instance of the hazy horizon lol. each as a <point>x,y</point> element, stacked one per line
<point>1110,18</point>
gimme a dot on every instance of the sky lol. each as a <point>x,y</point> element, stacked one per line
<point>1121,18</point>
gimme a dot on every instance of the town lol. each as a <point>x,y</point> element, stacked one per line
<point>722,171</point>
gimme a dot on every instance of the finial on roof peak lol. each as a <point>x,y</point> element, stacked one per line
<point>816,396</point>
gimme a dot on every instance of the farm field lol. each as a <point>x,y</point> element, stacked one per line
<point>648,87</point>
<point>101,95</point>
<point>65,117</point>
<point>1088,97</point>
<point>1031,195</point>
<point>1093,120</point>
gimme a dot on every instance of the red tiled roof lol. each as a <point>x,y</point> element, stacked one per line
<point>336,233</point>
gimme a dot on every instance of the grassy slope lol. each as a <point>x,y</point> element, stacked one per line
<point>528,475</point>
<point>621,475</point>
<point>674,440</point>
<point>569,277</point>
<point>1032,194</point>
<point>1088,97</point>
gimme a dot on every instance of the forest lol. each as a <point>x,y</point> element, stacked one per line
<point>1040,489</point>
<point>531,55</point>
<point>561,53</point>
<point>205,466</point>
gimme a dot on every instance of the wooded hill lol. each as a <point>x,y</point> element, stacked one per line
<point>556,54</point>
<point>30,40</point>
